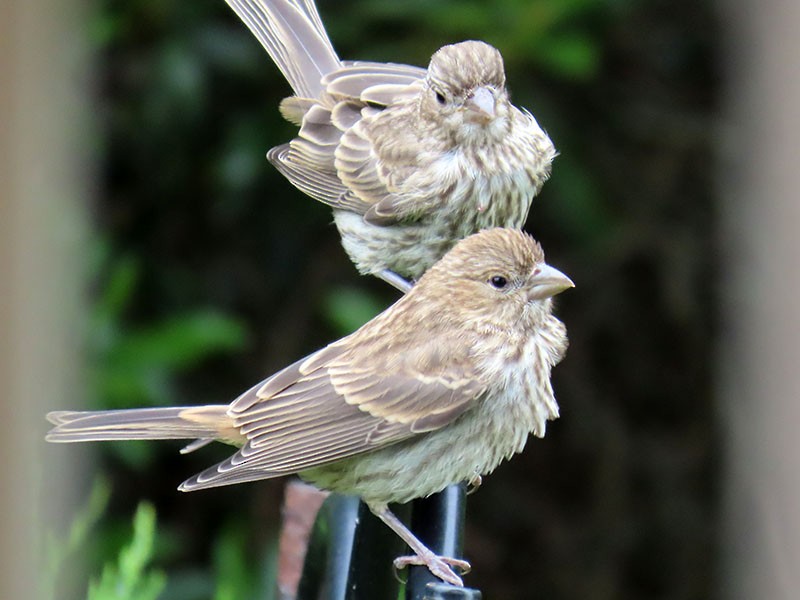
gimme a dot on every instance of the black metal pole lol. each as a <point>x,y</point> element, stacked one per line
<point>350,554</point>
<point>329,555</point>
<point>438,521</point>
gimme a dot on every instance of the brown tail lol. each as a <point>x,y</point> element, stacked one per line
<point>189,422</point>
<point>292,33</point>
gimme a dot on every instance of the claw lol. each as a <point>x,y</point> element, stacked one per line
<point>474,483</point>
<point>397,570</point>
<point>440,566</point>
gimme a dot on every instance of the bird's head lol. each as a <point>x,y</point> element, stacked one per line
<point>497,277</point>
<point>465,94</point>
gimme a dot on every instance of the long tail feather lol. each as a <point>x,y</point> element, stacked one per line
<point>292,33</point>
<point>143,424</point>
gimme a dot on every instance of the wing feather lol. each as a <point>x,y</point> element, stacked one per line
<point>357,169</point>
<point>293,35</point>
<point>298,165</point>
<point>322,409</point>
<point>378,72</point>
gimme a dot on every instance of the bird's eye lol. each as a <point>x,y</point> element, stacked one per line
<point>498,282</point>
<point>440,98</point>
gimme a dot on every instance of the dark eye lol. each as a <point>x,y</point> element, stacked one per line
<point>498,282</point>
<point>440,98</point>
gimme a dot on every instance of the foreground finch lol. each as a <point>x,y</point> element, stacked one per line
<point>438,389</point>
<point>411,160</point>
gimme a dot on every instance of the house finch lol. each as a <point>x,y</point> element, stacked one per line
<point>410,160</point>
<point>439,388</point>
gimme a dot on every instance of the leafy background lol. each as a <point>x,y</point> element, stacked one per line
<point>211,272</point>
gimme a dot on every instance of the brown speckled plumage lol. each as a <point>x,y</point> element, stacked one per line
<point>439,388</point>
<point>411,160</point>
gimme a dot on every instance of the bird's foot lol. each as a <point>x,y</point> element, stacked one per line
<point>440,566</point>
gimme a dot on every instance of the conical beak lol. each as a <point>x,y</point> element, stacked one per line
<point>482,103</point>
<point>547,282</point>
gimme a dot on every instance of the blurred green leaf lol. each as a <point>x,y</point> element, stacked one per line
<point>560,37</point>
<point>128,578</point>
<point>347,309</point>
<point>136,365</point>
<point>573,56</point>
<point>235,578</point>
<point>120,283</point>
<point>179,342</point>
<point>103,28</point>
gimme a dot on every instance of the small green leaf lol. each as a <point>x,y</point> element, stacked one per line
<point>128,577</point>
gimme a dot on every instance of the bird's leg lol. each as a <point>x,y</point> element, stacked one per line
<point>440,566</point>
<point>395,280</point>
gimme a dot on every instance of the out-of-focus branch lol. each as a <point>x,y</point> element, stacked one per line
<point>760,351</point>
<point>43,187</point>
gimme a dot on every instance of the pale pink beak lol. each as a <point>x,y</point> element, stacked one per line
<point>548,281</point>
<point>482,102</point>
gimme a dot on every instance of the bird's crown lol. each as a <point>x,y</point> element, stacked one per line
<point>466,65</point>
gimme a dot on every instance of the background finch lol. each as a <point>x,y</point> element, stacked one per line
<point>437,389</point>
<point>410,160</point>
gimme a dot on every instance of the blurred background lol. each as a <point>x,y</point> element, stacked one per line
<point>150,256</point>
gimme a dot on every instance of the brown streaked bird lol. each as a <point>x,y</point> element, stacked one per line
<point>411,160</point>
<point>439,388</point>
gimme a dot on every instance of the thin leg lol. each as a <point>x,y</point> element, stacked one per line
<point>395,280</point>
<point>440,566</point>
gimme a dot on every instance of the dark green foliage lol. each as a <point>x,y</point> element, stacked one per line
<point>132,366</point>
